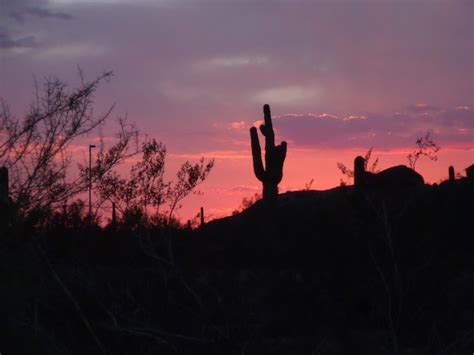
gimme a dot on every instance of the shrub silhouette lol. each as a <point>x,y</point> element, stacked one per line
<point>146,189</point>
<point>425,146</point>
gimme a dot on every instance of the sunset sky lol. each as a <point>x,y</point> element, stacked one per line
<point>340,76</point>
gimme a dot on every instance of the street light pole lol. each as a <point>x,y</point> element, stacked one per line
<point>90,183</point>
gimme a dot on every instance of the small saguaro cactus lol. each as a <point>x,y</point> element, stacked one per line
<point>114,215</point>
<point>470,172</point>
<point>451,173</point>
<point>359,171</point>
<point>271,175</point>
<point>4,185</point>
<point>202,216</point>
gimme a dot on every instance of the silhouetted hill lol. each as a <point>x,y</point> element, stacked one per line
<point>351,270</point>
<point>304,222</point>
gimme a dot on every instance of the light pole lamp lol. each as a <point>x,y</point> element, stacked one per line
<point>90,183</point>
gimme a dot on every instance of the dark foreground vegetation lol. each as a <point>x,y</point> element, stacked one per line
<point>382,267</point>
<point>352,270</point>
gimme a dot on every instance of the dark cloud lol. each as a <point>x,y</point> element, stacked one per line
<point>11,7</point>
<point>7,42</point>
<point>15,31</point>
<point>39,12</point>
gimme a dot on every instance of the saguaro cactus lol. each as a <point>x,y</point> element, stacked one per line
<point>202,216</point>
<point>114,215</point>
<point>359,171</point>
<point>470,172</point>
<point>4,185</point>
<point>271,175</point>
<point>451,173</point>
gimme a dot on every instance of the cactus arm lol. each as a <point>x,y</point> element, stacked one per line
<point>282,150</point>
<point>275,163</point>
<point>257,155</point>
<point>267,129</point>
<point>281,158</point>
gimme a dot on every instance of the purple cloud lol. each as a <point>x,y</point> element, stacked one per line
<point>383,131</point>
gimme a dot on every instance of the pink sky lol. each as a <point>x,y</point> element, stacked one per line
<point>340,77</point>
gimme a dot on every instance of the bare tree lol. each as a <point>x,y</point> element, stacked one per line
<point>36,151</point>
<point>189,176</point>
<point>425,146</point>
<point>146,188</point>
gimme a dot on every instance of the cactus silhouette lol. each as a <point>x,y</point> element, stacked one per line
<point>470,172</point>
<point>202,216</point>
<point>359,171</point>
<point>271,175</point>
<point>451,173</point>
<point>4,185</point>
<point>4,199</point>
<point>114,215</point>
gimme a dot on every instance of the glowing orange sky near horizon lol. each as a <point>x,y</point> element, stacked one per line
<point>340,77</point>
<point>233,179</point>
<point>302,166</point>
